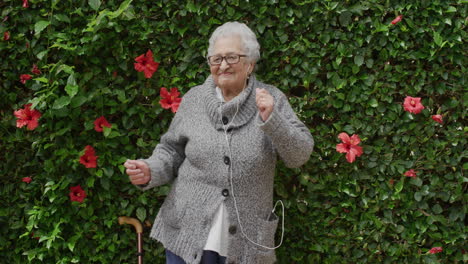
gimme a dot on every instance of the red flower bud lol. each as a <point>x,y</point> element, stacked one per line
<point>411,173</point>
<point>26,179</point>
<point>24,78</point>
<point>35,70</point>
<point>437,118</point>
<point>397,19</point>
<point>435,250</point>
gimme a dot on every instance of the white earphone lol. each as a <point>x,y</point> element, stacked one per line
<point>225,128</point>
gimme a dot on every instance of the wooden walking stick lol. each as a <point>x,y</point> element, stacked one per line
<point>139,229</point>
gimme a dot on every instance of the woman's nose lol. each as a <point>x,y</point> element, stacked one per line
<point>224,65</point>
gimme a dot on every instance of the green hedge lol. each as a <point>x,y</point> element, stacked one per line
<point>345,68</point>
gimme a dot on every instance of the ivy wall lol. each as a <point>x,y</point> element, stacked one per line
<point>346,66</point>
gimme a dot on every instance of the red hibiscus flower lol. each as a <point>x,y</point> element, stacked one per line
<point>101,122</point>
<point>25,4</point>
<point>26,179</point>
<point>435,250</point>
<point>6,35</point>
<point>24,78</point>
<point>170,100</point>
<point>77,194</point>
<point>413,105</point>
<point>411,173</point>
<point>27,117</point>
<point>35,70</point>
<point>437,118</point>
<point>349,146</point>
<point>89,158</point>
<point>145,63</point>
<point>397,19</point>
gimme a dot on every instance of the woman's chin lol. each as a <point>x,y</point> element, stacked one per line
<point>225,82</point>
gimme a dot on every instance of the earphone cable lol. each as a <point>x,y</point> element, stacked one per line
<point>232,188</point>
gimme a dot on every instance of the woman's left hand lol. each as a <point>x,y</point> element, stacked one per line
<point>265,103</point>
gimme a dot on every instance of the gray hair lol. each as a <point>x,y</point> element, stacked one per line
<point>247,36</point>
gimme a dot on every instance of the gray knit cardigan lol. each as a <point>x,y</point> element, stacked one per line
<point>193,155</point>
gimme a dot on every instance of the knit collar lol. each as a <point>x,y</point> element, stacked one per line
<point>216,109</point>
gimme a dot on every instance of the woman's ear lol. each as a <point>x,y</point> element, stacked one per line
<point>251,68</point>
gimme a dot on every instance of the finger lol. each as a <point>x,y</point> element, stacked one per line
<point>129,164</point>
<point>133,172</point>
<point>262,91</point>
<point>140,164</point>
<point>140,181</point>
<point>137,177</point>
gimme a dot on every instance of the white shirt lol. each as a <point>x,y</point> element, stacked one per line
<point>218,237</point>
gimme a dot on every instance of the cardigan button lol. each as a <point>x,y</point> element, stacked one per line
<point>227,161</point>
<point>232,230</point>
<point>225,193</point>
<point>225,120</point>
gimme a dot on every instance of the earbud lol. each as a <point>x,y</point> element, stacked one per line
<point>248,69</point>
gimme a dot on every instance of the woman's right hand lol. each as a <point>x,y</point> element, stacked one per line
<point>138,171</point>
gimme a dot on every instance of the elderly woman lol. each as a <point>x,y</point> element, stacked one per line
<point>220,154</point>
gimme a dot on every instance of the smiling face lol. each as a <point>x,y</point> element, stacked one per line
<point>226,76</point>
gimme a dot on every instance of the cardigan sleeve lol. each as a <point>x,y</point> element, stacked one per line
<point>291,138</point>
<point>168,155</point>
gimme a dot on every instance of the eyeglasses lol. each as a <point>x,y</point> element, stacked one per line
<point>230,59</point>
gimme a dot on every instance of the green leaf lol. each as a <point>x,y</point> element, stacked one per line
<point>61,102</point>
<point>42,79</point>
<point>40,26</point>
<point>105,183</point>
<point>62,17</point>
<point>437,209</point>
<point>418,196</point>
<point>94,4</point>
<point>316,247</point>
<point>141,214</point>
<point>358,60</point>
<point>41,54</point>
<point>373,102</point>
<point>437,39</point>
<point>345,18</point>
<point>399,186</point>
<point>71,88</point>
<point>78,101</point>
<point>106,131</point>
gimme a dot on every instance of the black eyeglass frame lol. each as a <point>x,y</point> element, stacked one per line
<point>223,58</point>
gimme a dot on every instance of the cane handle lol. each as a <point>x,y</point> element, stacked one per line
<point>131,221</point>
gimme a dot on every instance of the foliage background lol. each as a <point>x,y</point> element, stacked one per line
<point>344,67</point>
